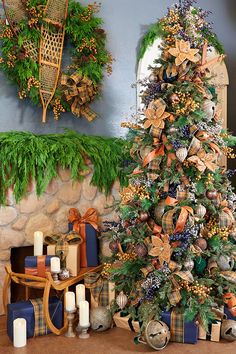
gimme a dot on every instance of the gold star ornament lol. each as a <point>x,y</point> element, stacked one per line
<point>182,52</point>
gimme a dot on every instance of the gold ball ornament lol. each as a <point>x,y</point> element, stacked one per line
<point>200,211</point>
<point>174,98</point>
<point>189,264</point>
<point>212,195</point>
<point>201,243</point>
<point>173,130</point>
<point>143,216</point>
<point>181,154</point>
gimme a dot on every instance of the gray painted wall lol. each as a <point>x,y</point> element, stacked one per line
<point>125,22</point>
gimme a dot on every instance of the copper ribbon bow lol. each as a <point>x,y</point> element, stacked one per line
<point>90,217</point>
<point>80,90</point>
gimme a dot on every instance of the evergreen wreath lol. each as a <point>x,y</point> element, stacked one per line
<point>79,81</point>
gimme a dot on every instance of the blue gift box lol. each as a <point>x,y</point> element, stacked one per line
<point>25,309</point>
<point>229,315</point>
<point>37,265</point>
<point>190,334</point>
<point>89,248</point>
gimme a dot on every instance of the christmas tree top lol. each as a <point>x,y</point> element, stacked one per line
<point>175,244</point>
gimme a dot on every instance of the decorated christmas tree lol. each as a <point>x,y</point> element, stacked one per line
<point>174,247</point>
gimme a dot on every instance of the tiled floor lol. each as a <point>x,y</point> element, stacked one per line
<point>114,341</point>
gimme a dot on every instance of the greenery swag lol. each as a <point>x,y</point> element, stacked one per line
<point>25,157</point>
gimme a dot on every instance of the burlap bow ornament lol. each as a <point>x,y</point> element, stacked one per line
<point>62,242</point>
<point>204,160</point>
<point>175,295</point>
<point>168,219</point>
<point>79,91</point>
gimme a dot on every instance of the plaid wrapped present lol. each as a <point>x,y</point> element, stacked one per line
<point>32,311</point>
<point>180,330</point>
<point>99,289</point>
<point>37,265</point>
<point>125,321</point>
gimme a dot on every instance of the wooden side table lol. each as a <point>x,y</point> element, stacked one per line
<point>31,281</point>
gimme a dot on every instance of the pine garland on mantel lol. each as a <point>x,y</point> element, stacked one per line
<point>25,156</point>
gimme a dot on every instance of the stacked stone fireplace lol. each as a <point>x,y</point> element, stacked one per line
<point>48,213</point>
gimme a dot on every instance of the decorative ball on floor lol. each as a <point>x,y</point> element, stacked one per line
<point>100,319</point>
<point>228,330</point>
<point>157,335</point>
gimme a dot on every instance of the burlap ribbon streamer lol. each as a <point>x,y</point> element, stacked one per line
<point>229,275</point>
<point>98,288</point>
<point>80,91</point>
<point>177,327</point>
<point>175,295</point>
<point>226,218</point>
<point>199,157</point>
<point>167,219</point>
<point>40,327</point>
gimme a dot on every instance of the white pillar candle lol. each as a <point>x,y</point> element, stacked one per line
<point>80,293</point>
<point>84,313</point>
<point>19,332</point>
<point>38,243</point>
<point>70,301</point>
<point>55,265</point>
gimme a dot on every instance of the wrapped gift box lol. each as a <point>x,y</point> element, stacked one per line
<point>89,248</point>
<point>213,333</point>
<point>126,322</point>
<point>37,265</point>
<point>72,259</point>
<point>188,333</point>
<point>25,310</point>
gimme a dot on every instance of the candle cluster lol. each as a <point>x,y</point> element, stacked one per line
<point>81,303</point>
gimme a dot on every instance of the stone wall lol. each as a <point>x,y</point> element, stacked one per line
<point>49,213</point>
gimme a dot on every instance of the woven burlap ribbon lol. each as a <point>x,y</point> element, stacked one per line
<point>40,327</point>
<point>168,219</point>
<point>79,91</point>
<point>175,295</point>
<point>177,327</point>
<point>98,287</point>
